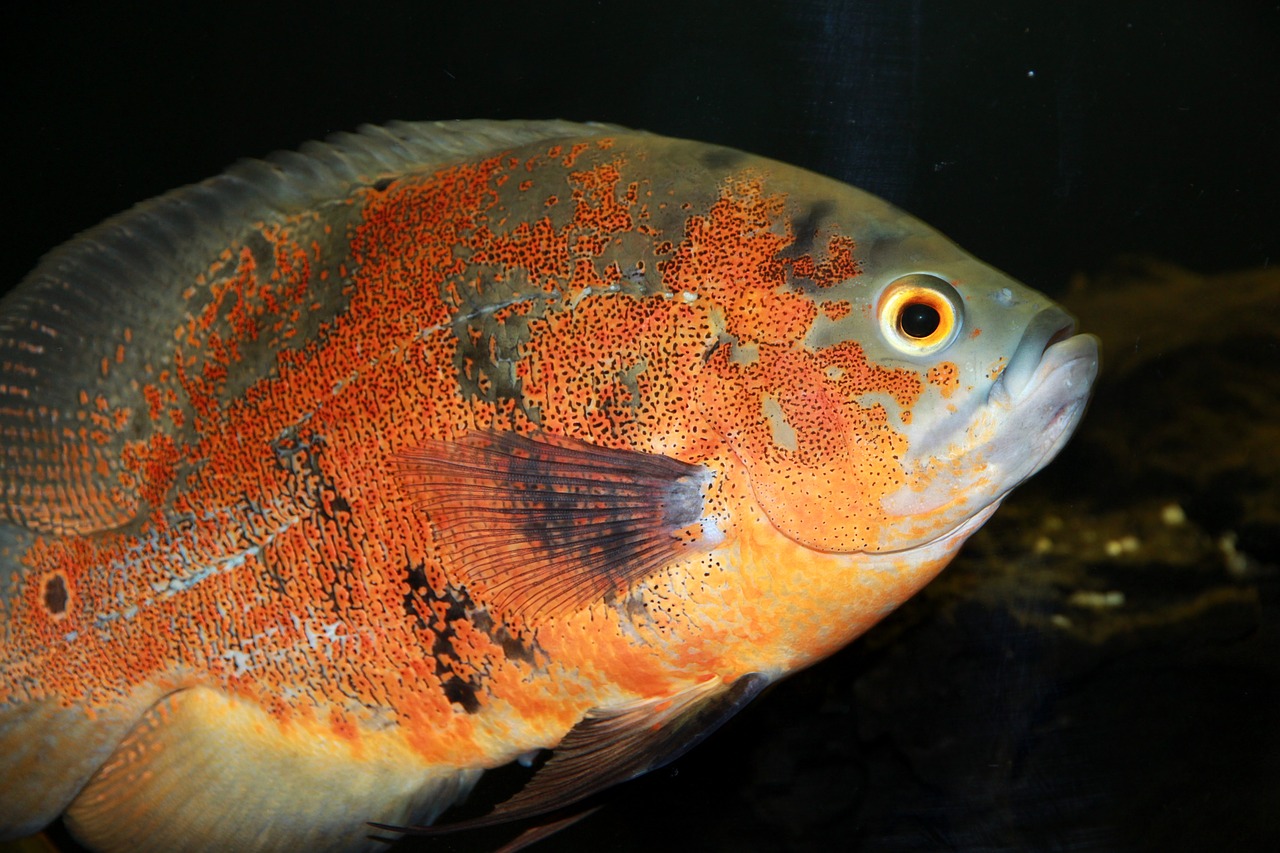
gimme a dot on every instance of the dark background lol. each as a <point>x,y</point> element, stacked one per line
<point>1048,138</point>
<point>1044,136</point>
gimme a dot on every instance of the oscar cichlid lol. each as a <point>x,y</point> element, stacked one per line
<point>331,482</point>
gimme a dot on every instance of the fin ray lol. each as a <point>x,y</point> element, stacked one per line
<point>549,524</point>
<point>204,771</point>
<point>609,747</point>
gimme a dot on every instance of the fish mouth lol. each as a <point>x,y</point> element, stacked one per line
<point>1032,359</point>
<point>1043,392</point>
<point>1067,368</point>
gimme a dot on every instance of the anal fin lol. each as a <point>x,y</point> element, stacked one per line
<point>542,831</point>
<point>205,771</point>
<point>610,746</point>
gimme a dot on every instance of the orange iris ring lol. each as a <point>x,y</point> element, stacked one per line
<point>920,289</point>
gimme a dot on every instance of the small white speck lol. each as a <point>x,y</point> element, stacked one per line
<point>1237,561</point>
<point>240,660</point>
<point>712,532</point>
<point>689,297</point>
<point>1124,545</point>
<point>1173,515</point>
<point>1031,74</point>
<point>1095,600</point>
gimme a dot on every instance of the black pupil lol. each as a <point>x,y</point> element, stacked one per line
<point>919,320</point>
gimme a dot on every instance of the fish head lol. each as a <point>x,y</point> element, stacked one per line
<point>926,386</point>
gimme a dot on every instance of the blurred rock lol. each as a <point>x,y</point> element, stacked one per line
<point>1189,403</point>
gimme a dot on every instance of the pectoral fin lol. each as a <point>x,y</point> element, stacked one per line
<point>546,525</point>
<point>614,745</point>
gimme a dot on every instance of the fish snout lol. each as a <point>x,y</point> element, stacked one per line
<point>1047,329</point>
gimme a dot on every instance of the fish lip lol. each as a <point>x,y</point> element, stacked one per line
<point>1051,401</point>
<point>1068,362</point>
<point>1048,328</point>
<point>1047,346</point>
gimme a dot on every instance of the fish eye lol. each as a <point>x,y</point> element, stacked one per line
<point>920,314</point>
<point>919,320</point>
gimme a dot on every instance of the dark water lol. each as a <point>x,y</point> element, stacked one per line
<point>1043,136</point>
<point>1093,673</point>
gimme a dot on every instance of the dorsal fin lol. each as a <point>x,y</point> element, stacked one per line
<point>87,339</point>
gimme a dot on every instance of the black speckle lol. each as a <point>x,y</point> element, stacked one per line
<point>515,648</point>
<point>381,186</point>
<point>462,692</point>
<point>806,230</point>
<point>55,595</point>
<point>459,684</point>
<point>338,508</point>
<point>417,580</point>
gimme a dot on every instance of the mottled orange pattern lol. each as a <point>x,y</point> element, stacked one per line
<point>307,548</point>
<point>241,514</point>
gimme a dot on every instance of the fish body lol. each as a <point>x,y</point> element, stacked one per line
<point>334,481</point>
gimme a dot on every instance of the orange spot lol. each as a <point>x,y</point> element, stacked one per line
<point>945,376</point>
<point>574,153</point>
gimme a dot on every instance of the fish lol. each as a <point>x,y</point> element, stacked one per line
<point>336,481</point>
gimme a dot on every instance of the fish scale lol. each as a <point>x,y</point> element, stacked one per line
<point>397,459</point>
